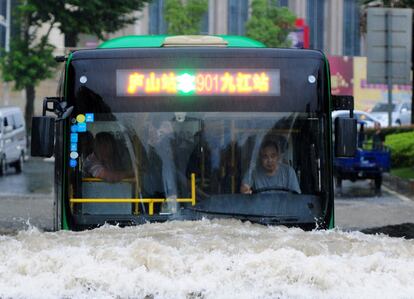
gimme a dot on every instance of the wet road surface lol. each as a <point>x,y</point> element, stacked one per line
<point>36,178</point>
<point>27,198</point>
<point>359,208</point>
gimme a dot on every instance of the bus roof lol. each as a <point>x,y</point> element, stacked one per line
<point>156,41</point>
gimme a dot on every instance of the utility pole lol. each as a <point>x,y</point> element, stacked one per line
<point>6,24</point>
<point>412,74</point>
<point>388,62</point>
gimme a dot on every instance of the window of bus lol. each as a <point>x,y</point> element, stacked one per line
<point>159,151</point>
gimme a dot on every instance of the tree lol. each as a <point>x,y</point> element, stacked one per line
<point>95,17</point>
<point>30,58</point>
<point>270,23</point>
<point>185,18</point>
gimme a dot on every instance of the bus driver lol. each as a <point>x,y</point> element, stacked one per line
<point>271,173</point>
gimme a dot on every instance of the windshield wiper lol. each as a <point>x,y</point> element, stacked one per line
<point>244,215</point>
<point>262,219</point>
<point>275,188</point>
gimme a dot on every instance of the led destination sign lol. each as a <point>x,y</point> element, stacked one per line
<point>241,82</point>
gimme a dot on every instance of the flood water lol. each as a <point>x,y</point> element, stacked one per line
<point>205,259</point>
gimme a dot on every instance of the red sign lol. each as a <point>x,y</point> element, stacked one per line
<point>342,73</point>
<point>300,36</point>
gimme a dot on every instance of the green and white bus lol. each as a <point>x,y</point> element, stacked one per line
<point>159,128</point>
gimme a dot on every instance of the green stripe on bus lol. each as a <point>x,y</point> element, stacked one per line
<point>156,41</point>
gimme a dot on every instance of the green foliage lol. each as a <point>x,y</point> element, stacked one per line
<point>27,66</point>
<point>95,17</point>
<point>270,23</point>
<point>184,18</point>
<point>30,59</point>
<point>401,142</point>
<point>404,172</point>
<point>402,149</point>
<point>389,130</point>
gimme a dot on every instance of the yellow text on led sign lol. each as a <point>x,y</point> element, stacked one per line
<point>199,83</point>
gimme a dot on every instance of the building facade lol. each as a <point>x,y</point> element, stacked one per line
<point>334,24</point>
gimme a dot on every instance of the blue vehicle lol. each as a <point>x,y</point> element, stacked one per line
<point>367,164</point>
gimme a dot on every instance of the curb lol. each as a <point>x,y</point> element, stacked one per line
<point>399,185</point>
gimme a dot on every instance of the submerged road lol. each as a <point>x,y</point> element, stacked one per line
<point>27,199</point>
<point>358,208</point>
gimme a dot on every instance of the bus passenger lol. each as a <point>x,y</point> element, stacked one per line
<point>104,162</point>
<point>161,177</point>
<point>271,173</point>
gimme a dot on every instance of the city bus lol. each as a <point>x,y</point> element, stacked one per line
<point>159,128</point>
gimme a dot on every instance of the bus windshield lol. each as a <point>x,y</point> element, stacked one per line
<point>168,161</point>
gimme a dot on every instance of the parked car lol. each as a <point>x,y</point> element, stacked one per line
<point>361,116</point>
<point>12,139</point>
<point>401,113</point>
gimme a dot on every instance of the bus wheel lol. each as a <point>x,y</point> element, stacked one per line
<point>19,164</point>
<point>2,167</point>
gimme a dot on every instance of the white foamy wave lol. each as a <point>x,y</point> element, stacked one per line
<point>205,259</point>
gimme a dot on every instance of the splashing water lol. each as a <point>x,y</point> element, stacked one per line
<point>205,259</point>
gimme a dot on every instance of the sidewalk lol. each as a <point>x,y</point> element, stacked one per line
<point>397,184</point>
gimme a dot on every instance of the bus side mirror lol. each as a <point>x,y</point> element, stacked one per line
<point>43,136</point>
<point>345,137</point>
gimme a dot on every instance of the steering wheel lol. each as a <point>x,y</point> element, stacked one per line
<point>274,188</point>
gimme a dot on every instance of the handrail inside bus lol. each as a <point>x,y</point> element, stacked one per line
<point>150,201</point>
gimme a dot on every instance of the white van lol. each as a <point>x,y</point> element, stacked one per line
<point>12,139</point>
<point>401,113</point>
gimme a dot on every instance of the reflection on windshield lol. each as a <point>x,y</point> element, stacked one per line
<point>154,154</point>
